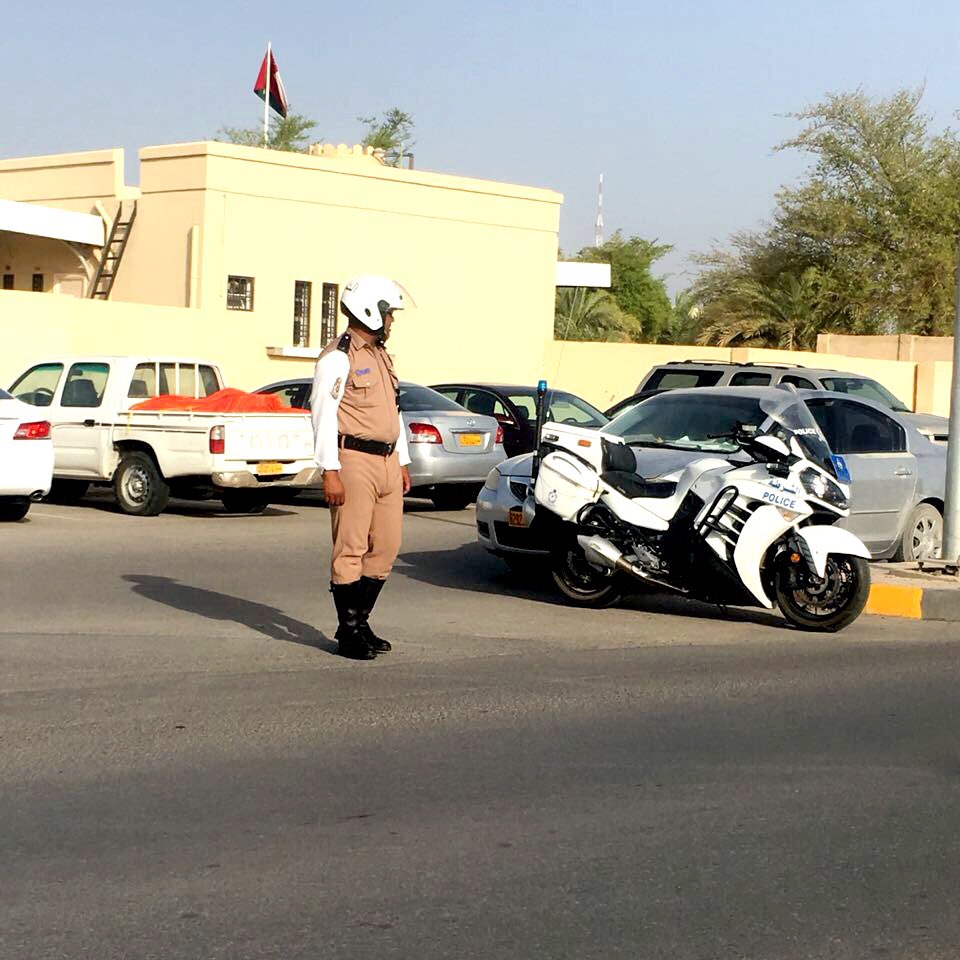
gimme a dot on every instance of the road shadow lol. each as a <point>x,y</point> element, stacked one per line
<point>212,509</point>
<point>470,567</point>
<point>269,621</point>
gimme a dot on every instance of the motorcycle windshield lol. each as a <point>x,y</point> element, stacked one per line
<point>794,417</point>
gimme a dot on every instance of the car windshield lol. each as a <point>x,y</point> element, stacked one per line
<point>865,389</point>
<point>4,395</point>
<point>416,399</point>
<point>562,407</point>
<point>687,422</point>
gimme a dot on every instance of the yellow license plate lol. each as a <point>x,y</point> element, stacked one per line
<point>515,518</point>
<point>267,468</point>
<point>471,439</point>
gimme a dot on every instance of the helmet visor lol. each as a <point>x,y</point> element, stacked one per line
<point>408,301</point>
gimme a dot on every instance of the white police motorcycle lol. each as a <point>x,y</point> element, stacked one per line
<point>744,534</point>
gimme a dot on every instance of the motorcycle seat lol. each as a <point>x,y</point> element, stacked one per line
<point>632,486</point>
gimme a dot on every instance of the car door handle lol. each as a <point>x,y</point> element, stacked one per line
<point>903,472</point>
<point>89,423</point>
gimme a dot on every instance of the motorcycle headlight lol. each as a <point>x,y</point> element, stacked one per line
<point>492,481</point>
<point>814,483</point>
<point>823,488</point>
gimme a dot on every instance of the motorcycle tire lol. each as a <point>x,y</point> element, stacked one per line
<point>827,605</point>
<point>582,584</point>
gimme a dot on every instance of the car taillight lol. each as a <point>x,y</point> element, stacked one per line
<point>424,433</point>
<point>499,435</point>
<point>38,430</point>
<point>217,443</point>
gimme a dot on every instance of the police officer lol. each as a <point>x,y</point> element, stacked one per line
<point>361,447</point>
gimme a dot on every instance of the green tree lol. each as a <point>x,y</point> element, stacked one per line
<point>389,133</point>
<point>587,314</point>
<point>864,243</point>
<point>879,209</point>
<point>638,293</point>
<point>290,133</point>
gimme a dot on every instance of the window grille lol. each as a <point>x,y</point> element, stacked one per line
<point>239,293</point>
<point>328,318</point>
<point>301,313</point>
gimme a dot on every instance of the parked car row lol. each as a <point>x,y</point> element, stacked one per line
<point>897,472</point>
<point>96,432</point>
<point>464,439</point>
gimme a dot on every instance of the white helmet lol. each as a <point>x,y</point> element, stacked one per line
<point>366,300</point>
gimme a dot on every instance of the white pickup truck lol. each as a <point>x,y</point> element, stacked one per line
<point>150,455</point>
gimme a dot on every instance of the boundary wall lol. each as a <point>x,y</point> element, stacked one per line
<point>606,372</point>
<point>35,326</point>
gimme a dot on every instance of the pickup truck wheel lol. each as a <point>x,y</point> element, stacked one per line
<point>243,501</point>
<point>140,488</point>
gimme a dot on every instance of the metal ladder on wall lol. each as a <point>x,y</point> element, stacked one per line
<point>112,253</point>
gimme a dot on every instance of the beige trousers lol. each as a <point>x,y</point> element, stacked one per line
<point>366,529</point>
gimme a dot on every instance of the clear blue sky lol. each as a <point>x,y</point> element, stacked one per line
<point>678,103</point>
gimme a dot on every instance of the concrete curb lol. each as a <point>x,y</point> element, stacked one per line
<point>901,590</point>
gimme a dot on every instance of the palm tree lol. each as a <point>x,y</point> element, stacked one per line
<point>586,314</point>
<point>686,317</point>
<point>787,313</point>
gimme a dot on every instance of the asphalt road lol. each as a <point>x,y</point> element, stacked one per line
<point>187,772</point>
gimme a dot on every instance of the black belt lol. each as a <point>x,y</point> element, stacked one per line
<point>375,447</point>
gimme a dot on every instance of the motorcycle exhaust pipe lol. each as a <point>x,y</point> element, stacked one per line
<point>602,553</point>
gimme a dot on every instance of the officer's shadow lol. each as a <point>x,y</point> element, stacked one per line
<point>265,619</point>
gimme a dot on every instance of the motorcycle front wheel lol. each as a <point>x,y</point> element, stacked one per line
<point>580,582</point>
<point>829,604</point>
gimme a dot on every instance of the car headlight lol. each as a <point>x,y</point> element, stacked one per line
<point>492,481</point>
<point>823,488</point>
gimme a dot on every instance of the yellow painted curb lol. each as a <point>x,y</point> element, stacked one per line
<point>894,600</point>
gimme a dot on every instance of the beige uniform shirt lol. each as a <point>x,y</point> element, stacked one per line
<point>355,394</point>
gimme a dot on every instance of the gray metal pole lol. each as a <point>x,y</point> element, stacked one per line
<point>951,510</point>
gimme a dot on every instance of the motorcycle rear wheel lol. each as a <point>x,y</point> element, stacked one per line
<point>827,605</point>
<point>581,583</point>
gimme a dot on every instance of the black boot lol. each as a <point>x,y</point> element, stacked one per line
<point>348,599</point>
<point>370,591</point>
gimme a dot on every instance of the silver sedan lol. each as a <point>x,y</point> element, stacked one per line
<point>897,473</point>
<point>451,449</point>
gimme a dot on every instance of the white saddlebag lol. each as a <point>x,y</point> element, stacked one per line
<point>565,485</point>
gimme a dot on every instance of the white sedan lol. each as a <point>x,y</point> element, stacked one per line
<point>26,457</point>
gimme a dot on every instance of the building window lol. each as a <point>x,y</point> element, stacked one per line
<point>38,283</point>
<point>239,293</point>
<point>328,313</point>
<point>8,281</point>
<point>301,313</point>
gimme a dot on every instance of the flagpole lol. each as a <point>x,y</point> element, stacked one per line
<point>266,96</point>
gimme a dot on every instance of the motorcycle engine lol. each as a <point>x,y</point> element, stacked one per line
<point>647,558</point>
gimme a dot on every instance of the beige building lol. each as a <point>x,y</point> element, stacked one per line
<point>246,249</point>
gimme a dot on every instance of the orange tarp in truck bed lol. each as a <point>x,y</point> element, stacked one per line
<point>229,400</point>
